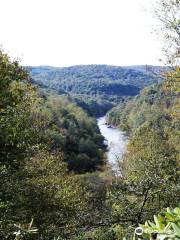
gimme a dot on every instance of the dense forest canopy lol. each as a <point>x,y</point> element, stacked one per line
<point>89,76</point>
<point>98,86</point>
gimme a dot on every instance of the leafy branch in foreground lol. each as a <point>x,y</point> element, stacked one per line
<point>165,226</point>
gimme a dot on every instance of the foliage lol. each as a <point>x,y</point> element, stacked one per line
<point>51,149</point>
<point>165,226</point>
<point>167,12</point>
<point>76,134</point>
<point>151,165</point>
<point>17,97</point>
<point>96,87</point>
<point>38,135</point>
<point>24,232</point>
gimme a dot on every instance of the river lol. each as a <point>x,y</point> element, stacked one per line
<point>116,141</point>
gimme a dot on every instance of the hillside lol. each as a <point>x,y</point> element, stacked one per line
<point>95,83</point>
<point>153,111</point>
<point>94,79</point>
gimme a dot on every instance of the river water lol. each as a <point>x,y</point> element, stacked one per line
<point>116,141</point>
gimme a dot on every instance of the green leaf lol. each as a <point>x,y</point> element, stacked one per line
<point>176,229</point>
<point>156,220</point>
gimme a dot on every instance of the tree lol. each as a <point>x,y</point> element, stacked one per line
<point>167,11</point>
<point>18,100</point>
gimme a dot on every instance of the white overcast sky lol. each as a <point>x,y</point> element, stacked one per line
<point>72,32</point>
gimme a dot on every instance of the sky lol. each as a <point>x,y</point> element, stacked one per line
<point>73,32</point>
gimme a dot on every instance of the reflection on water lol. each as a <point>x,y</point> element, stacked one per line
<point>116,141</point>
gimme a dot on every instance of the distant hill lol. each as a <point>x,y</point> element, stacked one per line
<point>105,83</point>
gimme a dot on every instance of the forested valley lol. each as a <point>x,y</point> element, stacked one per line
<point>55,180</point>
<point>95,88</point>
